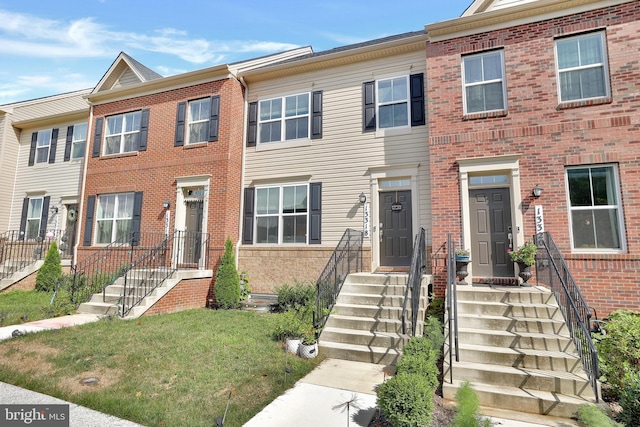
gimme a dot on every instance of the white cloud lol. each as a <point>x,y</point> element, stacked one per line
<point>31,36</point>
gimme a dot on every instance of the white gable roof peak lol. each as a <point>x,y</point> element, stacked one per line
<point>125,71</point>
<point>479,6</point>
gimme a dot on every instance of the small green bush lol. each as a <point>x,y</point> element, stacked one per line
<point>422,364</point>
<point>619,349</point>
<point>630,401</point>
<point>594,416</point>
<point>227,285</point>
<point>300,294</point>
<point>436,308</point>
<point>406,400</point>
<point>467,409</point>
<point>434,333</point>
<point>288,325</point>
<point>51,271</point>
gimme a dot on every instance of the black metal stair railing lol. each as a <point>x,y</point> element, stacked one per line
<point>141,252</point>
<point>414,281</point>
<point>18,252</point>
<point>452,305</point>
<point>552,271</point>
<point>345,259</point>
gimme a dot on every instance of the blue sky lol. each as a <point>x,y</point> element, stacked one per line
<point>49,47</point>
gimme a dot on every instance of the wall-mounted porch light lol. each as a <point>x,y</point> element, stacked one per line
<point>166,204</point>
<point>363,198</point>
<point>537,191</point>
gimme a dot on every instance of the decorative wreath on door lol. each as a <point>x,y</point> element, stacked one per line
<point>72,215</point>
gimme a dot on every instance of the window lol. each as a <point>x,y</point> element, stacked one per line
<point>582,73</point>
<point>293,117</point>
<point>42,147</point>
<point>595,211</point>
<point>281,214</point>
<point>122,133</point>
<point>199,114</point>
<point>393,103</point>
<point>78,141</point>
<point>484,83</point>
<point>114,217</point>
<point>34,215</point>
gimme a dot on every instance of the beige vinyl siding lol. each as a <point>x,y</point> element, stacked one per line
<point>342,158</point>
<point>8,157</point>
<point>57,180</point>
<point>50,107</point>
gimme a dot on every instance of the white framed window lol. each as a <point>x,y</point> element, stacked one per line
<point>34,215</point>
<point>114,217</point>
<point>484,82</point>
<point>282,214</point>
<point>595,213</point>
<point>581,67</point>
<point>199,115</point>
<point>392,102</point>
<point>284,119</point>
<point>43,145</point>
<point>122,133</point>
<point>79,141</point>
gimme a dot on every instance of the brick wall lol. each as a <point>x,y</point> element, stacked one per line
<point>187,294</point>
<point>546,136</point>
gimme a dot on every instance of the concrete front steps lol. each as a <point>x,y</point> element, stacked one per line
<point>109,303</point>
<point>516,351</point>
<point>365,324</point>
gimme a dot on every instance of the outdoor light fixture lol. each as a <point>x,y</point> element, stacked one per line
<point>54,210</point>
<point>363,198</point>
<point>166,204</point>
<point>537,191</point>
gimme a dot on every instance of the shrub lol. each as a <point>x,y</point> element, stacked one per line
<point>406,400</point>
<point>436,308</point>
<point>467,408</point>
<point>433,332</point>
<point>227,286</point>
<point>619,349</point>
<point>593,416</point>
<point>630,401</point>
<point>422,364</point>
<point>51,271</point>
<point>288,325</point>
<point>245,287</point>
<point>295,296</point>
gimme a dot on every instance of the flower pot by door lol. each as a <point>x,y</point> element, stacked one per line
<point>461,270</point>
<point>524,271</point>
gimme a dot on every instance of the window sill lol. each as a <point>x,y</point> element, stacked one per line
<point>613,255</point>
<point>267,146</point>
<point>196,145</point>
<point>119,155</point>
<point>485,115</point>
<point>404,130</point>
<point>584,103</point>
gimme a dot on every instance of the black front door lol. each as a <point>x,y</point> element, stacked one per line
<point>193,238</point>
<point>490,232</point>
<point>395,229</point>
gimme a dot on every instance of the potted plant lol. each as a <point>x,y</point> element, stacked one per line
<point>463,254</point>
<point>525,256</point>
<point>308,348</point>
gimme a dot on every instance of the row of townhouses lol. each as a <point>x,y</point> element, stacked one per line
<point>449,129</point>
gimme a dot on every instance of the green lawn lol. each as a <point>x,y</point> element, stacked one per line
<point>166,370</point>
<point>31,305</point>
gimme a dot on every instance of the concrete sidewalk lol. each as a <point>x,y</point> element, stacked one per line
<point>10,331</point>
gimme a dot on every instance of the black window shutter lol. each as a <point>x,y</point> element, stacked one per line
<point>32,153</point>
<point>144,130</point>
<point>214,120</point>
<point>180,119</point>
<point>44,217</point>
<point>369,106</point>
<point>137,216</point>
<point>97,138</point>
<point>88,223</point>
<point>53,146</point>
<point>67,144</point>
<point>23,218</point>
<point>315,213</point>
<point>316,115</point>
<point>417,99</point>
<point>252,125</point>
<point>248,215</point>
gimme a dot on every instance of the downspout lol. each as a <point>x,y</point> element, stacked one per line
<point>80,226</point>
<point>242,171</point>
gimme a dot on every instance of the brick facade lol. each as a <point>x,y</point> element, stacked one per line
<point>155,171</point>
<point>547,136</point>
<point>187,294</point>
